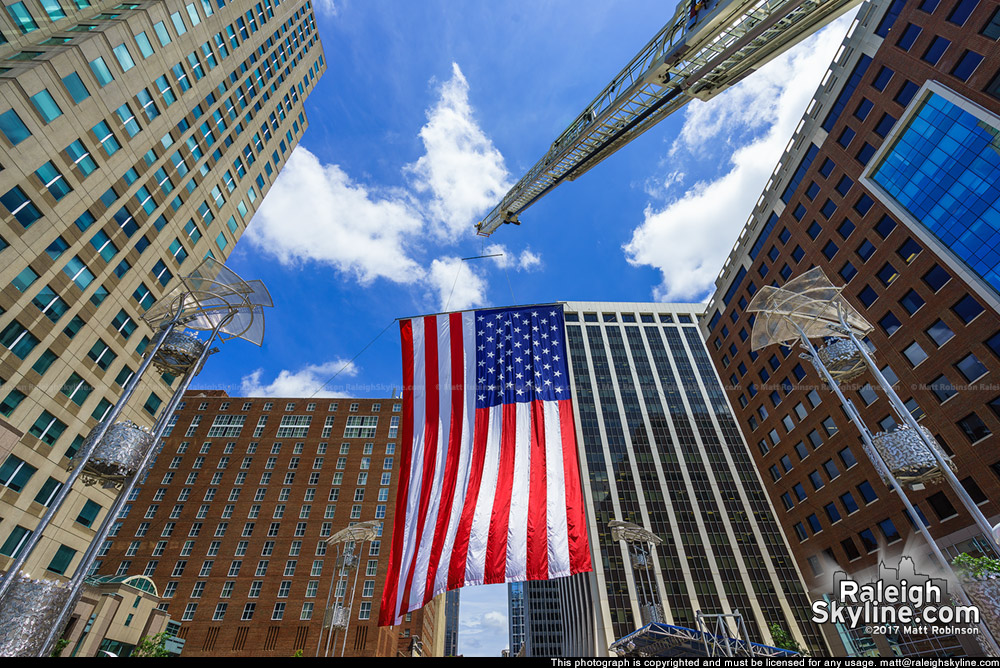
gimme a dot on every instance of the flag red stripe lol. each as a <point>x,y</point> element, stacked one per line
<point>458,381</point>
<point>579,549</point>
<point>388,612</point>
<point>459,553</point>
<point>538,552</point>
<point>431,422</point>
<point>496,546</point>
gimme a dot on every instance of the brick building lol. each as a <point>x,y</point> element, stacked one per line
<point>890,185</point>
<point>232,519</point>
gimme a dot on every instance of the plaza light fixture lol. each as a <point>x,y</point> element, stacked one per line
<point>810,306</point>
<point>213,299</point>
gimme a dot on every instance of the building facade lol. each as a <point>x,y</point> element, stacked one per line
<point>515,618</point>
<point>137,138</point>
<point>541,612</point>
<point>232,520</point>
<point>890,186</point>
<point>659,447</point>
<point>452,603</point>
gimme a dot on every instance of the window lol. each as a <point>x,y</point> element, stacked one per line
<point>912,302</point>
<point>971,368</point>
<point>941,506</point>
<point>46,106</point>
<point>973,427</point>
<point>915,354</point>
<point>968,309</point>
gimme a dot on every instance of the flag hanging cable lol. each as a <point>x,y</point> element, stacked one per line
<point>489,487</point>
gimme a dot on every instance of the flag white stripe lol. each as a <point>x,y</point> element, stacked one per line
<point>416,459</point>
<point>442,425</point>
<point>555,494</point>
<point>465,452</point>
<point>517,529</point>
<point>475,564</point>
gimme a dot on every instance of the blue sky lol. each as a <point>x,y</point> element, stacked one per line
<point>427,113</point>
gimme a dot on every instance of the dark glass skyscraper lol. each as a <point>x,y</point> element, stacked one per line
<point>659,448</point>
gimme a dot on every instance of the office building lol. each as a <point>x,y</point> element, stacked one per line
<point>890,185</point>
<point>515,618</point>
<point>137,138</point>
<point>452,602</point>
<point>540,621</point>
<point>659,447</point>
<point>232,521</point>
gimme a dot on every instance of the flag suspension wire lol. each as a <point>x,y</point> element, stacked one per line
<point>513,300</point>
<point>356,356</point>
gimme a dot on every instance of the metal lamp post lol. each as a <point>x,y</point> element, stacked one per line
<point>810,306</point>
<point>640,543</point>
<point>338,617</point>
<point>213,298</point>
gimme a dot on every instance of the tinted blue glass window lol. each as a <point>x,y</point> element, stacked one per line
<point>847,272</point>
<point>845,228</point>
<point>962,10</point>
<point>936,277</point>
<point>814,230</point>
<point>889,323</point>
<point>827,167</point>
<point>867,296</point>
<point>846,137</point>
<point>863,109</point>
<point>889,18</point>
<point>845,94</point>
<point>884,125</point>
<point>885,226</point>
<point>46,106</point>
<point>13,127</point>
<point>966,65</point>
<point>909,36</point>
<point>943,170</point>
<point>882,78</point>
<point>906,93</point>
<point>865,153</point>
<point>937,48</point>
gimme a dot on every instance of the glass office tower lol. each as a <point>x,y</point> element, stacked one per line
<point>659,448</point>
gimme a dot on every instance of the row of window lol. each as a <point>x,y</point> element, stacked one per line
<point>290,406</point>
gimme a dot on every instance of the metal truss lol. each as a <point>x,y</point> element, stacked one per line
<point>706,47</point>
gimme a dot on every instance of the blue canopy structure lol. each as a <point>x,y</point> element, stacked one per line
<point>665,640</point>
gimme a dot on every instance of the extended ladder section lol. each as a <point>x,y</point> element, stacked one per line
<point>706,47</point>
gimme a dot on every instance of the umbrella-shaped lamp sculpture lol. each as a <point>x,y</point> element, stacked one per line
<point>810,306</point>
<point>212,299</point>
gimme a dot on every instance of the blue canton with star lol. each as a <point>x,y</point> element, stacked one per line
<point>520,355</point>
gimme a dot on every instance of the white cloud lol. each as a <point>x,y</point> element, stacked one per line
<point>316,212</point>
<point>301,383</point>
<point>461,169</point>
<point>689,238</point>
<point>483,620</point>
<point>525,261</point>
<point>455,284</point>
<point>326,7</point>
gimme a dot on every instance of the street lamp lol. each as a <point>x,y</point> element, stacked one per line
<point>339,616</point>
<point>640,544</point>
<point>213,298</point>
<point>810,306</point>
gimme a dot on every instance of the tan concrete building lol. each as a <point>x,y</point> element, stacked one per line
<point>136,139</point>
<point>113,615</point>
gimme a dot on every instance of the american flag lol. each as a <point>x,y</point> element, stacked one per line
<point>489,487</point>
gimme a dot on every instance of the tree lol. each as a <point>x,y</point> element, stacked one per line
<point>152,646</point>
<point>60,646</point>
<point>784,640</point>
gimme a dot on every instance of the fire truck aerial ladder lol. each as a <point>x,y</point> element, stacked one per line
<point>706,47</point>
